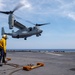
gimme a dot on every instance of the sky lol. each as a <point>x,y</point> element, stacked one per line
<point>59,34</point>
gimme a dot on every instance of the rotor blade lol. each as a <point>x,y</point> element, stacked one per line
<point>11,12</point>
<point>17,17</point>
<point>4,12</point>
<point>30,22</point>
<point>17,7</point>
<point>42,24</point>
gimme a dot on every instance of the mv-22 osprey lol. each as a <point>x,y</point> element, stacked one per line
<point>23,31</point>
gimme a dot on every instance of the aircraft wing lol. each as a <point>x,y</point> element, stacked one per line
<point>19,25</point>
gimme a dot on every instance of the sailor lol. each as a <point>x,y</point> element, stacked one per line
<point>1,52</point>
<point>3,42</point>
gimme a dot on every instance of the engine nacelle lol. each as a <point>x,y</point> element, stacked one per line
<point>11,21</point>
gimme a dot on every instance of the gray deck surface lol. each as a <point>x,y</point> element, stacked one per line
<point>55,63</point>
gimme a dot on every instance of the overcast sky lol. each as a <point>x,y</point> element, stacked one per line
<point>60,34</point>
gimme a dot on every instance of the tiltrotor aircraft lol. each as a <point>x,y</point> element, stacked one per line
<point>24,31</point>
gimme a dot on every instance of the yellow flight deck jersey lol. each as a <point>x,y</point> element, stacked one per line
<point>3,46</point>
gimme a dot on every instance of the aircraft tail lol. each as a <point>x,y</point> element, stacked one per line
<point>3,32</point>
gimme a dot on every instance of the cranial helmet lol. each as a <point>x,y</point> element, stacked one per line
<point>4,36</point>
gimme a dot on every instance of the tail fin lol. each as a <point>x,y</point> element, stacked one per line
<point>2,31</point>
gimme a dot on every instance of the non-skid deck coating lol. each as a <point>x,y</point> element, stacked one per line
<point>55,63</point>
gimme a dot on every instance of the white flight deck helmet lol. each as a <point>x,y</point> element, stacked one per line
<point>4,36</point>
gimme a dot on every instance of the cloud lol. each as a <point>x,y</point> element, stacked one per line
<point>26,3</point>
<point>61,8</point>
<point>71,15</point>
<point>66,9</point>
<point>1,5</point>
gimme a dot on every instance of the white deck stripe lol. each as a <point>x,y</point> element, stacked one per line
<point>54,54</point>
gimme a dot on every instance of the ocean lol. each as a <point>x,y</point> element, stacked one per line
<point>38,50</point>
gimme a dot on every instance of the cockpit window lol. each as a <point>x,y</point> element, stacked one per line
<point>30,29</point>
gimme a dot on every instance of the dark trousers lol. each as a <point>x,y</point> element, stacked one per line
<point>4,56</point>
<point>1,54</point>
